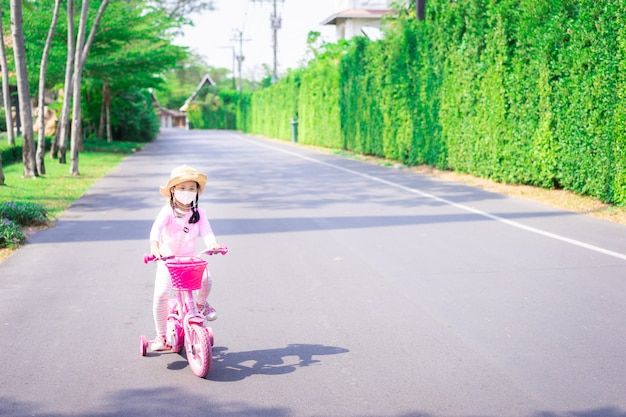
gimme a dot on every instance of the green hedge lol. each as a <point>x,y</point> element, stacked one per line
<point>518,91</point>
<point>10,153</point>
<point>216,111</point>
<point>271,109</point>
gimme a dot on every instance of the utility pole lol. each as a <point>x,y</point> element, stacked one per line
<point>276,23</point>
<point>239,37</point>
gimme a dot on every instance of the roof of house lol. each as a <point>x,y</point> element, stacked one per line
<point>173,113</point>
<point>205,80</point>
<point>163,110</point>
<point>355,14</point>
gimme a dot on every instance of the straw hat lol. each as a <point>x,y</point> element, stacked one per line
<point>181,174</point>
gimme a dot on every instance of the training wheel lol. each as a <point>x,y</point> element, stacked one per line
<point>143,345</point>
<point>209,332</point>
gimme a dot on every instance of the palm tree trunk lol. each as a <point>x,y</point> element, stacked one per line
<point>6,90</point>
<point>23,90</point>
<point>82,51</point>
<point>64,119</point>
<point>41,143</point>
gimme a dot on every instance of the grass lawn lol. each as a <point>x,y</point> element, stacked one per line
<point>58,189</point>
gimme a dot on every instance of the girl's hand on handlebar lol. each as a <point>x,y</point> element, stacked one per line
<point>215,248</point>
<point>155,252</point>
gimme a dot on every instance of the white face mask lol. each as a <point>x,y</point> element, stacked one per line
<point>184,197</point>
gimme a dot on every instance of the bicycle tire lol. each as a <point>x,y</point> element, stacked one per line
<point>199,352</point>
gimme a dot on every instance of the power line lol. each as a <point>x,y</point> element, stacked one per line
<point>276,23</point>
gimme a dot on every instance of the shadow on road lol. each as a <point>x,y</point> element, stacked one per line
<point>235,366</point>
<point>174,401</point>
<point>301,224</point>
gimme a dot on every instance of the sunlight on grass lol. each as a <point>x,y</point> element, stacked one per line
<point>58,189</point>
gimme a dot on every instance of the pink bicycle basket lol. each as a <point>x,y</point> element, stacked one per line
<point>186,273</point>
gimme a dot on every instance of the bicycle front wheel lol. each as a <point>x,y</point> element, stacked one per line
<point>199,352</point>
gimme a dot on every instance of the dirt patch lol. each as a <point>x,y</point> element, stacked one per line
<point>5,252</point>
<point>562,199</point>
<point>28,231</point>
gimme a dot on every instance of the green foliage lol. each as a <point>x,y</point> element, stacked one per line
<point>37,19</point>
<point>102,146</point>
<point>11,153</point>
<point>3,120</point>
<point>243,113</point>
<point>11,234</point>
<point>586,99</point>
<point>133,117</point>
<point>217,111</point>
<point>318,99</point>
<point>32,202</point>
<point>24,214</point>
<point>182,81</point>
<point>360,112</point>
<point>519,91</point>
<point>131,52</point>
<point>271,109</point>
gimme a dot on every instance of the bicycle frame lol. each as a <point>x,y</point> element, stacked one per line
<point>185,325</point>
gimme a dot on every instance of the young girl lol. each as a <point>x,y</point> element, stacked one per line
<point>174,232</point>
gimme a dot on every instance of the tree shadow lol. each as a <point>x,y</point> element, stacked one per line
<point>147,402</point>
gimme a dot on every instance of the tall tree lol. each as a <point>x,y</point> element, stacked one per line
<point>41,143</point>
<point>60,144</point>
<point>23,90</point>
<point>6,90</point>
<point>132,52</point>
<point>82,51</point>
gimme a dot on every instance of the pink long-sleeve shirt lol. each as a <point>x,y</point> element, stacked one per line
<point>176,236</point>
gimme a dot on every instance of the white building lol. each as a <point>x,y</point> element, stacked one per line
<point>358,18</point>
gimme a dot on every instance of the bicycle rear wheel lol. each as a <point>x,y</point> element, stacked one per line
<point>143,345</point>
<point>199,352</point>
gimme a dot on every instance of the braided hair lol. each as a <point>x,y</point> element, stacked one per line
<point>195,215</point>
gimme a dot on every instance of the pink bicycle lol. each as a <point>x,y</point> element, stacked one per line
<point>185,326</point>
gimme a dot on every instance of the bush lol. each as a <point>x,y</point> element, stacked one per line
<point>11,153</point>
<point>11,235</point>
<point>529,92</point>
<point>133,118</point>
<point>3,120</point>
<point>23,214</point>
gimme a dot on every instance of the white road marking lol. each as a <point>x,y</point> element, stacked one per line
<point>452,203</point>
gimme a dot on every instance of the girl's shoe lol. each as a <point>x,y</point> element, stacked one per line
<point>207,311</point>
<point>158,344</point>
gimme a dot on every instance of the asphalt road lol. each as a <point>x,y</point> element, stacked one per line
<point>350,290</point>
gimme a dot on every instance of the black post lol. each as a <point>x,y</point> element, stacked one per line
<point>420,6</point>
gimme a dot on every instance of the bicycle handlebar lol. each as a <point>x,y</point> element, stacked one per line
<point>223,250</point>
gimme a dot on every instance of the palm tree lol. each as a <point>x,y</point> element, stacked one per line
<point>41,142</point>
<point>23,91</point>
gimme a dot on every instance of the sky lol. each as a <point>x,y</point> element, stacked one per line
<point>213,33</point>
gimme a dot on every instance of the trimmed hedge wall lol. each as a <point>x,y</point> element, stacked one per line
<point>272,109</point>
<point>518,91</point>
<point>215,111</point>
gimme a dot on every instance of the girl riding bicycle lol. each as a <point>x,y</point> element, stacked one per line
<point>174,232</point>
